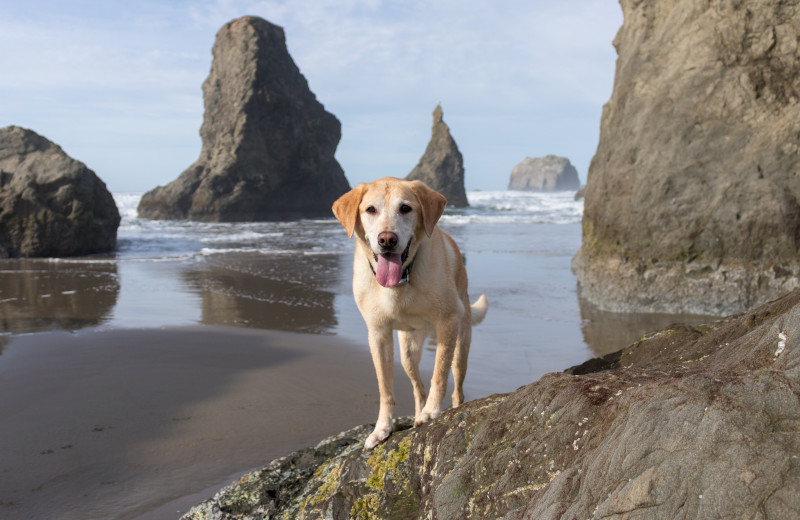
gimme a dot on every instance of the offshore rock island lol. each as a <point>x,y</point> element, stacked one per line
<point>549,173</point>
<point>268,144</point>
<point>442,166</point>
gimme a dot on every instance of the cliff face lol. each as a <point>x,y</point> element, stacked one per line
<point>685,423</point>
<point>50,204</point>
<point>268,144</point>
<point>691,201</point>
<point>441,167</point>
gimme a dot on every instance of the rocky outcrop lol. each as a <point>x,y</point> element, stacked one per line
<point>268,144</point>
<point>691,200</point>
<point>688,422</point>
<point>549,173</point>
<point>50,204</point>
<point>441,167</point>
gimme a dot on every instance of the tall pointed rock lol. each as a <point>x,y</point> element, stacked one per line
<point>268,144</point>
<point>441,166</point>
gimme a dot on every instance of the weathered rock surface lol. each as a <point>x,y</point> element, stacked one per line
<point>50,204</point>
<point>268,144</point>
<point>549,173</point>
<point>691,201</point>
<point>688,422</point>
<point>441,167</point>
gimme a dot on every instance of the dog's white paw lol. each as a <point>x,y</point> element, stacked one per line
<point>424,417</point>
<point>377,436</point>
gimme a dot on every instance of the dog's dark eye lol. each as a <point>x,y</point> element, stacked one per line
<point>405,208</point>
<point>371,210</point>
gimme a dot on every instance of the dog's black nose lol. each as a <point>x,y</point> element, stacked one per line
<point>387,240</point>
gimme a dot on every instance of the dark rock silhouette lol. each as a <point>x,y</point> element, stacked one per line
<point>50,204</point>
<point>268,144</point>
<point>691,201</point>
<point>441,167</point>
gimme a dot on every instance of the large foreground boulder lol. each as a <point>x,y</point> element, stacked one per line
<point>686,423</point>
<point>549,173</point>
<point>441,166</point>
<point>268,144</point>
<point>691,201</point>
<point>50,204</point>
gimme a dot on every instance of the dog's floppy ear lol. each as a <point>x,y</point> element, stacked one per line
<point>345,208</point>
<point>432,203</point>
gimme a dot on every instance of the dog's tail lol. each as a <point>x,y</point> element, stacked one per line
<point>479,309</point>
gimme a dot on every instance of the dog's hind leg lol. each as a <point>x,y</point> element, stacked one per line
<point>411,344</point>
<point>460,364</point>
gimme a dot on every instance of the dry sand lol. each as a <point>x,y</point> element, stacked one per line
<point>146,423</point>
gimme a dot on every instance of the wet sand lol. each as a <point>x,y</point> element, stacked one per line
<point>145,423</point>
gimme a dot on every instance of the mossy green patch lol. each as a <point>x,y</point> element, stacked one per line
<point>382,462</point>
<point>397,500</point>
<point>328,475</point>
<point>365,507</point>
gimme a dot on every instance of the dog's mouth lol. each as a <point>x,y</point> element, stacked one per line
<point>389,271</point>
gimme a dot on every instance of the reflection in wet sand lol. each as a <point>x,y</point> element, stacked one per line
<point>605,332</point>
<point>291,292</point>
<point>37,295</point>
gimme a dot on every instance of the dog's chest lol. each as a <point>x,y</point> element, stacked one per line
<point>397,308</point>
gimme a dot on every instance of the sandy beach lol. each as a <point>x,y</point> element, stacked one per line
<point>145,423</point>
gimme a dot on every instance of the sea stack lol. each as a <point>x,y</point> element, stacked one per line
<point>441,167</point>
<point>549,173</point>
<point>691,201</point>
<point>268,144</point>
<point>51,205</point>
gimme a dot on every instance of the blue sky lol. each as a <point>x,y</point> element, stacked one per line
<point>118,84</point>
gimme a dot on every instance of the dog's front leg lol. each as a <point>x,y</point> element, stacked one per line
<point>381,345</point>
<point>446,335</point>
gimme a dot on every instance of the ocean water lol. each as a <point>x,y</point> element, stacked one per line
<point>296,276</point>
<point>158,240</point>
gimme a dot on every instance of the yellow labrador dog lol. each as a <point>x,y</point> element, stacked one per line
<point>408,276</point>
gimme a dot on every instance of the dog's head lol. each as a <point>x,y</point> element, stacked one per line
<point>390,215</point>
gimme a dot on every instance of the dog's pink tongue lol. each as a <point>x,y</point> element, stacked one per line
<point>390,269</point>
